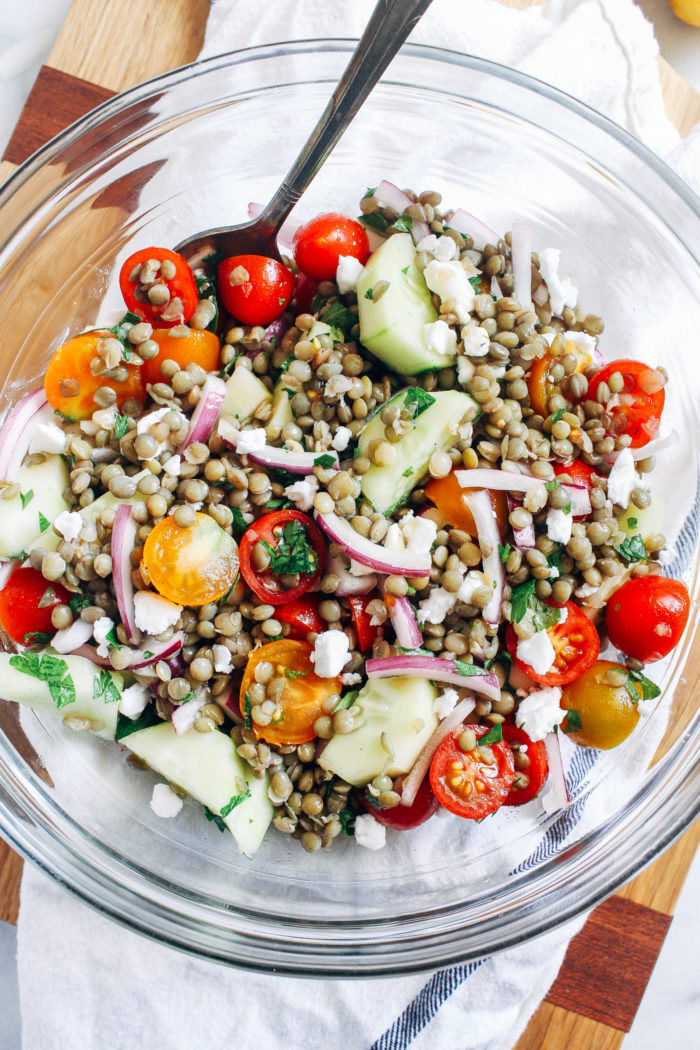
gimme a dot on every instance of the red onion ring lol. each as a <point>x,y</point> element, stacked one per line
<point>122,544</point>
<point>277,458</point>
<point>509,481</point>
<point>422,764</point>
<point>435,668</point>
<point>206,411</point>
<point>404,621</point>
<point>484,514</point>
<point>373,555</point>
<point>470,226</point>
<point>16,435</point>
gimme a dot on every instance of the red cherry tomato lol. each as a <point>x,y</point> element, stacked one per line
<point>365,631</point>
<point>21,615</point>
<point>576,647</point>
<point>580,474</point>
<point>302,615</point>
<point>182,288</point>
<point>528,782</point>
<point>646,617</point>
<point>254,289</point>
<point>425,805</point>
<point>318,244</point>
<point>641,403</point>
<point>305,291</point>
<point>296,548</point>
<point>465,784</point>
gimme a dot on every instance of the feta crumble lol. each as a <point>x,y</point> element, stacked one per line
<point>337,386</point>
<point>537,651</point>
<point>134,699</point>
<point>223,661</point>
<point>472,581</point>
<point>449,280</point>
<point>68,523</point>
<point>562,291</point>
<point>251,440</point>
<point>441,248</point>
<point>440,337</point>
<point>419,533</point>
<point>348,270</point>
<point>369,832</point>
<point>331,653</point>
<point>154,613</point>
<point>582,341</point>
<point>436,606</point>
<point>341,439</point>
<point>100,630</point>
<point>302,492</point>
<point>623,478</point>
<point>445,702</point>
<point>475,340</point>
<point>559,525</point>
<point>164,802</point>
<point>350,678</point>
<point>47,437</point>
<point>540,712</point>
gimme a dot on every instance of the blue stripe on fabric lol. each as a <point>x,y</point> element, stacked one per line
<point>687,539</point>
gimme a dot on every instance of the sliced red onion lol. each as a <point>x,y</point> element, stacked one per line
<point>557,793</point>
<point>16,433</point>
<point>508,481</point>
<point>90,653</point>
<point>229,700</point>
<point>435,668</point>
<point>156,650</point>
<point>419,230</point>
<point>72,638</point>
<point>524,538</point>
<point>184,716</point>
<point>484,514</point>
<point>651,449</point>
<point>349,584</point>
<point>468,224</point>
<point>123,543</point>
<point>387,195</point>
<point>277,458</point>
<point>521,257</point>
<point>404,621</point>
<point>373,555</point>
<point>275,331</point>
<point>206,412</point>
<point>422,764</point>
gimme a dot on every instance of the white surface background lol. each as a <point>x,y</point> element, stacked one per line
<point>670,1009</point>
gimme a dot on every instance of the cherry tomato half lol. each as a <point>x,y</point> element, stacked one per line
<point>641,403</point>
<point>192,565</point>
<point>402,818</point>
<point>600,714</point>
<point>465,784</point>
<point>576,647</point>
<point>539,384</point>
<point>318,244</point>
<point>198,347</point>
<point>174,278</point>
<point>70,383</point>
<point>296,549</point>
<point>21,615</point>
<point>366,632</point>
<point>302,615</point>
<point>449,497</point>
<point>646,617</point>
<point>529,780</point>
<point>300,702</point>
<point>254,289</point>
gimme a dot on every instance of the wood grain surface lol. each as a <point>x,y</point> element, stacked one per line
<point>596,994</point>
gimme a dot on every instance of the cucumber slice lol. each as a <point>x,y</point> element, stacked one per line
<point>23,528</point>
<point>244,395</point>
<point>281,406</point>
<point>434,430</point>
<point>207,767</point>
<point>392,328</point>
<point>88,680</point>
<point>400,707</point>
<point>93,510</point>
<point>645,521</point>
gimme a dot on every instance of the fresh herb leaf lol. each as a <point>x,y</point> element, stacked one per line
<point>281,300</point>
<point>347,821</point>
<point>413,652</point>
<point>475,282</point>
<point>369,797</point>
<point>632,522</point>
<point>104,685</point>
<point>375,220</point>
<point>469,670</point>
<point>520,599</point>
<point>404,269</point>
<point>282,477</point>
<point>49,669</point>
<point>338,316</point>
<point>285,365</point>
<point>37,638</point>
<point>494,736</point>
<point>417,401</point>
<point>278,504</point>
<point>26,497</point>
<point>247,709</point>
<point>147,653</point>
<point>127,726</point>
<point>411,590</point>
<point>325,461</point>
<point>556,416</point>
<point>239,521</point>
<point>346,701</point>
<point>567,508</point>
<point>404,224</point>
<point>291,675</point>
<point>121,426</point>
<point>44,523</point>
<point>408,472</point>
<point>293,552</point>
<point>552,485</point>
<point>633,549</point>
<point>504,550</point>
<point>368,294</point>
<point>650,690</point>
<point>573,722</point>
<point>215,818</point>
<point>121,331</point>
<point>111,637</point>
<point>370,191</point>
<point>525,603</point>
<point>554,560</point>
<point>234,801</point>
<point>21,556</point>
<point>78,602</point>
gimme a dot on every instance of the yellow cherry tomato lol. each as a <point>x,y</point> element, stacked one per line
<point>601,714</point>
<point>192,565</point>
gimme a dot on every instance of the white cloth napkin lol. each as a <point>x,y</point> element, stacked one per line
<point>88,984</point>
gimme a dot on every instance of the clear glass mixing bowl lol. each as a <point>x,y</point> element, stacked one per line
<point>186,152</point>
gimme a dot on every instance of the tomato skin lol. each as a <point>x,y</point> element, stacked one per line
<point>20,613</point>
<point>264,296</point>
<point>607,712</point>
<point>266,529</point>
<point>539,387</point>
<point>576,644</point>
<point>365,631</point>
<point>182,286</point>
<point>71,364</point>
<point>640,418</point>
<point>448,496</point>
<point>537,772</point>
<point>646,617</point>
<point>580,473</point>
<point>199,347</point>
<point>403,818</point>
<point>302,615</point>
<point>497,778</point>
<point>318,244</point>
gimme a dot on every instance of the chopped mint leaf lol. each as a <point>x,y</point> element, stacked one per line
<point>404,269</point>
<point>632,522</point>
<point>111,637</point>
<point>413,652</point>
<point>291,675</point>
<point>556,416</point>
<point>278,504</point>
<point>104,685</point>
<point>370,191</point>
<point>475,282</point>
<point>633,549</point>
<point>44,523</point>
<point>147,653</point>
<point>369,797</point>
<point>573,722</point>
<point>215,818</point>
<point>21,556</point>
<point>239,521</point>
<point>286,363</point>
<point>552,485</point>
<point>347,820</point>
<point>78,602</point>
<point>567,508</point>
<point>126,726</point>
<point>411,590</point>
<point>554,560</point>
<point>417,401</point>
<point>281,300</point>
<point>346,701</point>
<point>121,426</point>
<point>494,736</point>
<point>293,552</point>
<point>368,293</point>
<point>408,472</point>
<point>403,224</point>
<point>247,709</point>
<point>375,220</point>
<point>649,689</point>
<point>504,550</point>
<point>338,316</point>
<point>49,669</point>
<point>524,602</point>
<point>234,801</point>
<point>26,497</point>
<point>325,461</point>
<point>470,670</point>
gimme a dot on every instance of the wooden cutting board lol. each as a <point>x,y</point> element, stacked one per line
<point>107,47</point>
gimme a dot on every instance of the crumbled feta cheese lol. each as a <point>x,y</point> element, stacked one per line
<point>185,716</point>
<point>369,832</point>
<point>562,291</point>
<point>471,582</point>
<point>331,653</point>
<point>440,337</point>
<point>71,638</point>
<point>449,280</point>
<point>68,523</point>
<point>475,341</point>
<point>465,370</point>
<point>47,437</point>
<point>105,417</point>
<point>441,248</point>
<point>553,572</point>
<point>559,525</point>
<point>154,613</point>
<point>445,702</point>
<point>537,651</point>
<point>146,422</point>
<point>539,712</point>
<point>100,630</point>
<point>337,386</point>
<point>223,662</point>
<point>563,614</point>
<point>394,541</point>
<point>341,439</point>
<point>436,606</point>
<point>585,590</point>
<point>348,270</point>
<point>623,478</point>
<point>172,466</point>
<point>134,699</point>
<point>302,492</point>
<point>549,337</point>
<point>418,532</point>
<point>251,440</point>
<point>350,678</point>
<point>164,802</point>
<point>582,341</point>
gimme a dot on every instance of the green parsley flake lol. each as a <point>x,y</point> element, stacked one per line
<point>37,638</point>
<point>417,401</point>
<point>234,801</point>
<point>247,712</point>
<point>49,669</point>
<point>649,689</point>
<point>44,523</point>
<point>325,461</point>
<point>215,818</point>
<point>525,603</point>
<point>104,686</point>
<point>573,722</point>
<point>475,282</point>
<point>293,552</point>
<point>121,426</point>
<point>368,293</point>
<point>469,670</point>
<point>291,675</point>
<point>408,472</point>
<point>633,549</point>
<point>556,416</point>
<point>504,550</point>
<point>26,497</point>
<point>494,736</point>
<point>347,821</point>
<point>404,224</point>
<point>78,602</point>
<point>375,220</point>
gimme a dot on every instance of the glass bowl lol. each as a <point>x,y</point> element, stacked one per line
<point>187,152</point>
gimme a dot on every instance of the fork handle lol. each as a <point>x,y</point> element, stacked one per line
<point>387,29</point>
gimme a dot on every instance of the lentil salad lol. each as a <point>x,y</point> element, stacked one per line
<point>342,533</point>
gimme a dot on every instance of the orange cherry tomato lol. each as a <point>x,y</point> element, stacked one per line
<point>70,384</point>
<point>540,386</point>
<point>301,701</point>
<point>464,783</point>
<point>261,296</point>
<point>182,287</point>
<point>201,348</point>
<point>576,646</point>
<point>639,406</point>
<point>448,496</point>
<point>21,615</point>
<point>599,714</point>
<point>191,566</point>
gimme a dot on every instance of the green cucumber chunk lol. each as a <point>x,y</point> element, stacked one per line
<point>96,691</point>
<point>207,767</point>
<point>23,527</point>
<point>281,405</point>
<point>434,429</point>
<point>644,521</point>
<point>393,327</point>
<point>244,395</point>
<point>400,707</point>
